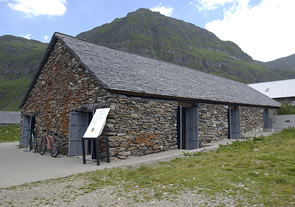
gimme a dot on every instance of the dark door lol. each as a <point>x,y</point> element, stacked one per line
<point>192,128</point>
<point>77,128</point>
<point>266,119</point>
<point>234,124</point>
<point>26,131</point>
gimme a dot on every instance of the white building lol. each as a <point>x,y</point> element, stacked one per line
<point>282,91</point>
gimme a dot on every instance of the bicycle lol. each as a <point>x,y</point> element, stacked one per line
<point>33,143</point>
<point>51,143</point>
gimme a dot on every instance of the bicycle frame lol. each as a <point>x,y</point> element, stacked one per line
<point>50,141</point>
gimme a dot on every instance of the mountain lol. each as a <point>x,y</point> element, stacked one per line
<point>19,60</point>
<point>19,56</point>
<point>282,64</point>
<point>145,33</point>
<point>153,35</point>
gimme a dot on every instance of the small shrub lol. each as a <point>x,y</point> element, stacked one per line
<point>280,180</point>
<point>258,139</point>
<point>287,109</point>
<point>197,154</point>
<point>187,154</point>
<point>291,171</point>
<point>191,165</point>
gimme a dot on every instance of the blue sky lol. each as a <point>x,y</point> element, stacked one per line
<point>262,28</point>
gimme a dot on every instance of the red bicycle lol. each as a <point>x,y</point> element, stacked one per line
<point>50,142</point>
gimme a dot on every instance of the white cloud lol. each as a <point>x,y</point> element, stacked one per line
<point>265,31</point>
<point>209,4</point>
<point>167,11</point>
<point>39,7</point>
<point>46,38</point>
<point>27,36</point>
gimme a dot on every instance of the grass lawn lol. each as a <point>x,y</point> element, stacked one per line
<point>9,133</point>
<point>260,171</point>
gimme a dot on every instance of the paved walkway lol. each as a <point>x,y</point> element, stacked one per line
<point>18,167</point>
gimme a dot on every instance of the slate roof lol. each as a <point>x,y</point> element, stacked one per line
<point>276,89</point>
<point>125,72</point>
<point>9,117</point>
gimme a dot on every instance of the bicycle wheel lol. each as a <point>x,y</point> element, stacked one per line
<point>30,145</point>
<point>55,146</point>
<point>43,146</point>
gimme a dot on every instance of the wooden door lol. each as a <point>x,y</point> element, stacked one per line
<point>192,128</point>
<point>77,128</point>
<point>234,124</point>
<point>26,131</point>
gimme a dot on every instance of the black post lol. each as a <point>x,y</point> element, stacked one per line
<point>83,151</point>
<point>97,152</point>
<point>93,150</point>
<point>108,149</point>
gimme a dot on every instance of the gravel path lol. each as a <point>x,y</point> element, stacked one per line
<point>73,192</point>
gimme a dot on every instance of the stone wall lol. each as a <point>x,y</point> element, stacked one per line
<point>62,84</point>
<point>135,126</point>
<point>251,118</point>
<point>139,126</point>
<point>213,123</point>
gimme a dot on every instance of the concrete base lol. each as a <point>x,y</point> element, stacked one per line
<point>261,133</point>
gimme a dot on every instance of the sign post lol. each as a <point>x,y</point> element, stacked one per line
<point>94,130</point>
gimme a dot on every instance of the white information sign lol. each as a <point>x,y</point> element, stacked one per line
<point>97,123</point>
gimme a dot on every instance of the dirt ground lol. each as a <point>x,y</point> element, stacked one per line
<point>73,192</point>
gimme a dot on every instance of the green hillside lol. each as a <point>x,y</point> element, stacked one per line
<point>19,57</point>
<point>19,60</point>
<point>283,64</point>
<point>12,92</point>
<point>154,35</point>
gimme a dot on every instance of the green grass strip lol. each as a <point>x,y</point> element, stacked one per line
<point>9,133</point>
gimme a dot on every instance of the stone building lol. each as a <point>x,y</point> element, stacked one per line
<point>155,106</point>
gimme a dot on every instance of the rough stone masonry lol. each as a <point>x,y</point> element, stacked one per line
<point>135,126</point>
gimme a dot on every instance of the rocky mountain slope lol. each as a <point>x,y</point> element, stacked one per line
<point>153,35</point>
<point>282,64</point>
